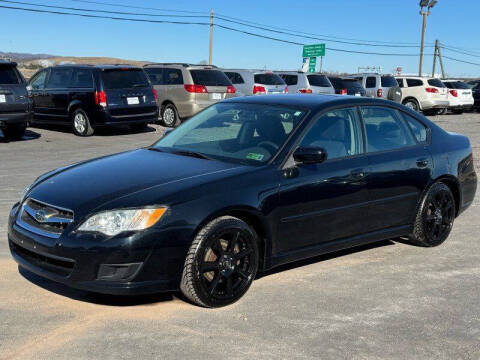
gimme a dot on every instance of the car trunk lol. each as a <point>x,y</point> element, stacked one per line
<point>13,92</point>
<point>216,83</point>
<point>272,83</point>
<point>128,92</point>
<point>441,90</point>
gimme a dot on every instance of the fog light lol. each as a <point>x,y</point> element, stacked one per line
<point>118,272</point>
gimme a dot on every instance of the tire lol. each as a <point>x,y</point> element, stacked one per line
<point>435,217</point>
<point>81,125</point>
<point>442,111</point>
<point>412,104</point>
<point>221,264</point>
<point>14,131</point>
<point>170,116</point>
<point>139,127</point>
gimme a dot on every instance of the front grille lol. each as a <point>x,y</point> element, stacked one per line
<point>62,267</point>
<point>133,111</point>
<point>44,219</point>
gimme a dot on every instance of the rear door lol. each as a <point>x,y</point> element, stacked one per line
<point>155,74</point>
<point>81,88</point>
<point>399,167</point>
<point>320,84</point>
<point>13,92</point>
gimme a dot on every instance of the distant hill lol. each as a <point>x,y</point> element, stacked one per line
<point>19,57</point>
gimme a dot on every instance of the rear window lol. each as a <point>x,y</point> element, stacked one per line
<point>124,79</point>
<point>389,81</point>
<point>210,78</point>
<point>436,83</point>
<point>318,80</point>
<point>155,75</point>
<point>290,79</point>
<point>351,84</point>
<point>234,77</point>
<point>268,79</point>
<point>9,75</point>
<point>460,85</point>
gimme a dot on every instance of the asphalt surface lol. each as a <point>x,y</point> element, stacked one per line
<point>390,300</point>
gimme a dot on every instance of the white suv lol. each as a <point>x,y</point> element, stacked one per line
<point>425,94</point>
<point>306,83</point>
<point>460,96</point>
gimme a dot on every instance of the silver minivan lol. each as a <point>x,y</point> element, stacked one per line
<point>377,85</point>
<point>256,82</point>
<point>185,89</point>
<point>306,83</point>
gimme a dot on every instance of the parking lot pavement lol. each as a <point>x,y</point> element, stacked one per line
<point>385,301</point>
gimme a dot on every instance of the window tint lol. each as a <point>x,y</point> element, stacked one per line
<point>209,78</point>
<point>268,79</point>
<point>385,130</point>
<point>400,82</point>
<point>337,132</point>
<point>82,78</point>
<point>414,82</point>
<point>173,76</point>
<point>436,83</point>
<point>38,82</point>
<point>9,75</point>
<point>234,77</point>
<point>59,78</point>
<point>388,81</point>
<point>371,82</point>
<point>155,75</point>
<point>318,80</point>
<point>290,79</point>
<point>459,85</point>
<point>449,85</point>
<point>124,79</point>
<point>419,130</point>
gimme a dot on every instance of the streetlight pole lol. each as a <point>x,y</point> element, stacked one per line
<point>210,47</point>
<point>428,4</point>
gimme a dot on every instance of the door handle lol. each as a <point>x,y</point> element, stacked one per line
<point>422,163</point>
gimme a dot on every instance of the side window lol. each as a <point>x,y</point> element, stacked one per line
<point>385,130</point>
<point>82,78</point>
<point>290,79</point>
<point>173,77</point>
<point>400,82</point>
<point>414,82</point>
<point>234,77</point>
<point>38,82</point>
<point>337,132</point>
<point>155,75</point>
<point>59,78</point>
<point>371,82</point>
<point>419,130</point>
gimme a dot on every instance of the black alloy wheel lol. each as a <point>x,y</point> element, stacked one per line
<point>221,264</point>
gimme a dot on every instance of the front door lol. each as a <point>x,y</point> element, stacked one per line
<point>323,202</point>
<point>36,88</point>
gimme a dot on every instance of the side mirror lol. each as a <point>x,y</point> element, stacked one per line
<point>310,155</point>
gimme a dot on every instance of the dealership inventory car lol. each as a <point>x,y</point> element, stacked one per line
<point>347,86</point>
<point>460,96</point>
<point>306,83</point>
<point>380,85</point>
<point>423,94</point>
<point>15,106</point>
<point>185,89</point>
<point>256,82</point>
<point>246,185</point>
<point>87,97</point>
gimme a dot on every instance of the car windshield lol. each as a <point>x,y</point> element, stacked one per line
<point>210,78</point>
<point>124,79</point>
<point>9,75</point>
<point>249,134</point>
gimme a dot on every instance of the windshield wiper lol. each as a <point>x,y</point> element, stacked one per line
<point>191,154</point>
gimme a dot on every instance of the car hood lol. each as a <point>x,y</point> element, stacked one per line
<point>87,186</point>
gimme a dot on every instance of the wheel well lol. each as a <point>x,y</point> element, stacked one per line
<point>411,98</point>
<point>166,102</point>
<point>74,107</point>
<point>454,188</point>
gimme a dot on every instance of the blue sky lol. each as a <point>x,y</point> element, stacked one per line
<point>453,22</point>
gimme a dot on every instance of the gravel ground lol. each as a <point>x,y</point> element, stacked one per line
<point>385,301</point>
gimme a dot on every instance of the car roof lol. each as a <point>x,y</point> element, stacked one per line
<point>182,65</point>
<point>313,102</point>
<point>98,66</point>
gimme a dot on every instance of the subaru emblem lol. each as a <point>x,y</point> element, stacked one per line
<point>40,216</point>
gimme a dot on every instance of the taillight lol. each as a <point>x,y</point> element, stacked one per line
<point>231,89</point>
<point>379,93</point>
<point>286,90</point>
<point>194,88</point>
<point>155,94</point>
<point>305,91</point>
<point>101,98</point>
<point>431,90</point>
<point>259,90</point>
<point>343,92</point>
<point>454,93</point>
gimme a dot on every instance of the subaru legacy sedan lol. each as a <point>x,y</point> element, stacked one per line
<point>246,185</point>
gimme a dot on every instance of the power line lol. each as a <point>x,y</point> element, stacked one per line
<point>458,51</point>
<point>100,11</point>
<point>462,49</point>
<point>462,61</point>
<point>138,7</point>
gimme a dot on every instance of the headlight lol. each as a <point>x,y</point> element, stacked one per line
<point>114,222</point>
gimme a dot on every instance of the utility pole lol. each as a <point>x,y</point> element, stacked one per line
<point>441,62</point>
<point>438,54</point>
<point>210,48</point>
<point>435,58</point>
<point>428,4</point>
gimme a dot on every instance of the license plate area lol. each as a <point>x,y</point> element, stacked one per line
<point>216,96</point>
<point>133,100</point>
<point>3,98</point>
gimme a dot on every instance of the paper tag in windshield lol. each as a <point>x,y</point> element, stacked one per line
<point>255,156</point>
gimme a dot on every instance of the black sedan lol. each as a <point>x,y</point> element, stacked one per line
<point>244,186</point>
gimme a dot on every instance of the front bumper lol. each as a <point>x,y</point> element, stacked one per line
<point>15,118</point>
<point>78,260</point>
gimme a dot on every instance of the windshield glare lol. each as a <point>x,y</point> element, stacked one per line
<point>235,132</point>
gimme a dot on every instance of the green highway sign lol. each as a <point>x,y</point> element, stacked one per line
<point>312,64</point>
<point>313,50</point>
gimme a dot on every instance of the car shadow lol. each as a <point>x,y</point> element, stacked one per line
<point>103,131</point>
<point>29,135</point>
<point>94,298</point>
